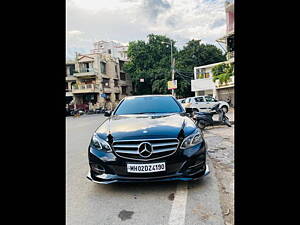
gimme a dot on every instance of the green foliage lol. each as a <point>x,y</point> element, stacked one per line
<point>222,72</point>
<point>75,85</point>
<point>151,61</point>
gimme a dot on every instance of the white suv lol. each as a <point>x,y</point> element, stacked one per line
<point>203,103</point>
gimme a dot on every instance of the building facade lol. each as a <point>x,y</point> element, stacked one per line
<point>203,82</point>
<point>112,48</point>
<point>97,79</point>
<point>70,80</point>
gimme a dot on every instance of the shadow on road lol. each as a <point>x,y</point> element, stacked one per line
<point>148,187</point>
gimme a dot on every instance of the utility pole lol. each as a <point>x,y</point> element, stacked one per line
<point>173,75</point>
<point>172,64</point>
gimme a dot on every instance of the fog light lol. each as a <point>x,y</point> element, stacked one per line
<point>97,168</point>
<point>197,163</point>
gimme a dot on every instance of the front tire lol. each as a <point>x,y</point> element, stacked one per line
<point>195,110</point>
<point>224,108</point>
<point>201,124</point>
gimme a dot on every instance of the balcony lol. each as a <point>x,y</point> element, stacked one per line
<point>202,84</point>
<point>116,89</point>
<point>70,78</point>
<point>69,93</point>
<point>229,83</point>
<point>86,72</point>
<point>85,88</point>
<point>107,89</point>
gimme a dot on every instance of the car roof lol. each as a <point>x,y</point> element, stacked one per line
<point>142,96</point>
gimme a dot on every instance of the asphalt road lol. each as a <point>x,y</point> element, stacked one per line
<point>172,203</point>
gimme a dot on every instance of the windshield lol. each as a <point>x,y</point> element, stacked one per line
<point>148,104</point>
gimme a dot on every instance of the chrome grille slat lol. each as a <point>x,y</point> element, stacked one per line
<point>127,151</point>
<point>126,146</point>
<point>164,150</point>
<point>142,140</point>
<point>165,144</point>
<point>161,148</point>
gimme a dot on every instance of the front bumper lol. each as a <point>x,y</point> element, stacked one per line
<point>111,178</point>
<point>185,165</point>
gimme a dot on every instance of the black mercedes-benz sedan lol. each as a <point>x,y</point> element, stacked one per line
<point>147,138</point>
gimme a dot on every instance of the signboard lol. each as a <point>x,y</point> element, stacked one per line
<point>103,95</point>
<point>172,85</point>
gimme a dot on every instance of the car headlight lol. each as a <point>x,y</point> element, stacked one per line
<point>192,140</point>
<point>100,144</point>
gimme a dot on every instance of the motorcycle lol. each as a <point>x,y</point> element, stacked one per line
<point>204,119</point>
<point>101,110</point>
<point>76,112</point>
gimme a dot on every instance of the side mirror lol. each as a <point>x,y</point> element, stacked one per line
<point>107,113</point>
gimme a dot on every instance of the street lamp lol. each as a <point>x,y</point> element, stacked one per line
<point>172,63</point>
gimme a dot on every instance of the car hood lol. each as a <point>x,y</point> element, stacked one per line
<point>146,126</point>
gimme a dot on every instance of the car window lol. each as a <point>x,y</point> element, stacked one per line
<point>183,101</point>
<point>148,104</point>
<point>199,99</point>
<point>209,99</point>
<point>188,100</point>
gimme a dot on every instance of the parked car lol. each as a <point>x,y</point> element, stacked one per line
<point>204,104</point>
<point>181,101</point>
<point>147,138</point>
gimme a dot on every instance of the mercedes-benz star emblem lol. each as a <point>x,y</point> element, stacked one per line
<point>145,149</point>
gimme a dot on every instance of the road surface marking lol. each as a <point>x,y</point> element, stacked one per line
<point>177,216</point>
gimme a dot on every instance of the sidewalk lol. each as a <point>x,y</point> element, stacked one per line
<point>220,141</point>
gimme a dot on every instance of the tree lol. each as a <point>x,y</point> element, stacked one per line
<point>192,55</point>
<point>152,61</point>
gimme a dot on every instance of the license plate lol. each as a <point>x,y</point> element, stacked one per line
<point>146,168</point>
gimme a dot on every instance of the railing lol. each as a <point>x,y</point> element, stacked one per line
<point>85,88</point>
<point>230,82</point>
<point>86,70</point>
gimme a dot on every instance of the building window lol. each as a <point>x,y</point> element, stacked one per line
<point>109,51</point>
<point>122,76</point>
<point>70,69</point>
<point>105,82</point>
<point>116,83</point>
<point>103,67</point>
<point>206,75</point>
<point>117,96</point>
<point>124,90</point>
<point>86,67</point>
<point>121,63</point>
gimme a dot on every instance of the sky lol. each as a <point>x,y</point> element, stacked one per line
<point>129,20</point>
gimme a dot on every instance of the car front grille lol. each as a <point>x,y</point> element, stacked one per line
<point>161,148</point>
